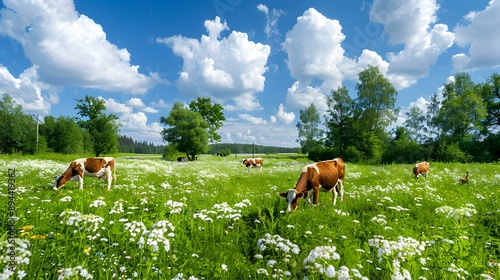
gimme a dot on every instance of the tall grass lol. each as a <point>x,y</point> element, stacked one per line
<point>211,219</point>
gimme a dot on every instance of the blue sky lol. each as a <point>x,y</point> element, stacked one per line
<point>262,60</point>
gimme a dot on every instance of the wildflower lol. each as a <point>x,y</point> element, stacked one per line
<point>27,228</point>
<point>224,267</point>
<point>97,203</point>
<point>86,250</point>
<point>65,199</point>
<point>278,242</point>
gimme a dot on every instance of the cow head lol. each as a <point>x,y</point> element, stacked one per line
<point>57,180</point>
<point>243,162</point>
<point>292,198</point>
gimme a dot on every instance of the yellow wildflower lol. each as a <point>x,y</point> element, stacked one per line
<point>27,227</point>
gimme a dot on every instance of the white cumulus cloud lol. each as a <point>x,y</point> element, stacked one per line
<point>223,68</point>
<point>482,35</point>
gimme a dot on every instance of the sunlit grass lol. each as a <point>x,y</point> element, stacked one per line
<point>211,219</point>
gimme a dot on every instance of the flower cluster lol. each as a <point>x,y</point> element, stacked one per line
<point>98,202</point>
<point>458,213</point>
<point>135,228</point>
<point>117,207</point>
<point>175,207</point>
<point>279,243</point>
<point>319,259</point>
<point>402,249</point>
<point>72,273</point>
<point>65,199</point>
<point>160,233</point>
<point>222,211</point>
<point>22,256</point>
<point>87,222</point>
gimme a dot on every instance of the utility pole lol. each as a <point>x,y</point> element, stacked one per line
<point>37,127</point>
<point>253,150</point>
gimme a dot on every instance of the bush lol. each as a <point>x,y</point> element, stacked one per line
<point>452,153</point>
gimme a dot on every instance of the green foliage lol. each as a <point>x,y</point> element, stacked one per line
<point>129,145</point>
<point>212,113</point>
<point>376,100</point>
<point>404,150</point>
<point>62,135</point>
<point>102,128</point>
<point>17,130</point>
<point>242,148</point>
<point>309,132</point>
<point>339,120</point>
<point>462,108</point>
<point>187,130</point>
<point>319,153</point>
<point>452,153</point>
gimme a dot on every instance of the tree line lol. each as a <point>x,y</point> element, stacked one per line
<point>460,124</point>
<point>240,148</point>
<point>92,131</point>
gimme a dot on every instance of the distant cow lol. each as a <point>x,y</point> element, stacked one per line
<point>220,155</point>
<point>94,167</point>
<point>465,180</point>
<point>253,162</point>
<point>181,159</point>
<point>421,168</point>
<point>320,176</point>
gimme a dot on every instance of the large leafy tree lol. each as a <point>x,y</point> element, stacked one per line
<point>186,131</point>
<point>212,113</point>
<point>415,124</point>
<point>17,130</point>
<point>339,120</point>
<point>309,132</point>
<point>62,135</point>
<point>462,109</point>
<point>376,100</point>
<point>491,97</point>
<point>102,128</point>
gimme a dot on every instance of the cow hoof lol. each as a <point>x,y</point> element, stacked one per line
<point>55,188</point>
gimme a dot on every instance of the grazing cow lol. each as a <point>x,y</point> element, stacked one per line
<point>253,162</point>
<point>220,155</point>
<point>320,176</point>
<point>421,168</point>
<point>94,167</point>
<point>181,159</point>
<point>465,180</point>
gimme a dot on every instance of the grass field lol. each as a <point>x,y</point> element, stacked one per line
<point>211,219</point>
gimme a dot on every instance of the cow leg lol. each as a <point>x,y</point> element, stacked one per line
<point>81,182</point>
<point>110,178</point>
<point>336,191</point>
<point>335,194</point>
<point>316,195</point>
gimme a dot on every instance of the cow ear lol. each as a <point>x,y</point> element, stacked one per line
<point>283,194</point>
<point>303,194</point>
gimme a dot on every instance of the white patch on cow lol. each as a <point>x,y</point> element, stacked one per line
<point>312,165</point>
<point>290,197</point>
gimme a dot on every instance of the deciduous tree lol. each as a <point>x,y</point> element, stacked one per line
<point>101,127</point>
<point>309,132</point>
<point>186,131</point>
<point>212,113</point>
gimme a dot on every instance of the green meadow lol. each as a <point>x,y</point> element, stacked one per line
<point>211,219</point>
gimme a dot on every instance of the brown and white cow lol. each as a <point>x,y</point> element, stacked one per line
<point>253,162</point>
<point>320,176</point>
<point>421,168</point>
<point>102,168</point>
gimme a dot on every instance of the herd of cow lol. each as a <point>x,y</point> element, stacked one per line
<point>322,176</point>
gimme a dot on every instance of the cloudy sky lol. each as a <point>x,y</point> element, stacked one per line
<point>263,61</point>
